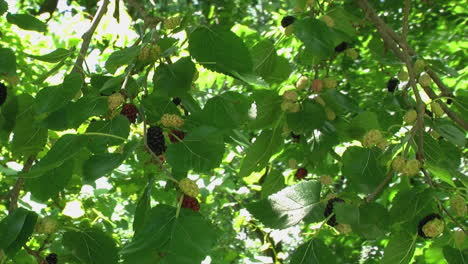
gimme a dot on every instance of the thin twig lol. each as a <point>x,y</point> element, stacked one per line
<point>406,12</point>
<point>379,188</point>
<point>87,36</point>
<point>14,194</point>
<point>149,20</point>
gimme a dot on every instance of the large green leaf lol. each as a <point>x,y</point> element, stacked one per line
<point>362,169</point>
<point>143,208</point>
<point>267,64</point>
<point>201,150</point>
<point>175,79</point>
<point>311,116</point>
<point>8,62</point>
<point>54,56</point>
<point>27,22</point>
<point>16,229</point>
<point>316,36</point>
<point>313,251</point>
<point>65,148</point>
<point>52,182</point>
<point>164,238</point>
<point>29,137</point>
<point>119,126</point>
<point>273,183</point>
<point>91,246</point>
<point>288,206</point>
<point>156,106</point>
<point>3,7</point>
<point>219,49</point>
<point>455,256</point>
<point>53,98</point>
<point>450,132</point>
<point>226,111</point>
<point>400,249</point>
<point>268,109</point>
<point>259,153</point>
<point>421,205</point>
<point>121,57</point>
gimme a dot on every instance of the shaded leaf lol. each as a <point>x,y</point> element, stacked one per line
<point>91,246</point>
<point>27,22</point>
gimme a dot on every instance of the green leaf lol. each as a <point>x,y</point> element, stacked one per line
<point>362,169</point>
<point>119,126</point>
<point>201,150</point>
<point>287,207</point>
<point>27,22</point>
<point>346,213</point>
<point>316,36</point>
<point>226,111</point>
<point>374,221</point>
<point>183,240</point>
<point>450,132</point>
<point>100,165</point>
<point>402,211</point>
<point>344,21</point>
<point>8,62</point>
<point>156,106</point>
<point>54,56</point>
<point>455,256</point>
<point>362,123</point>
<point>143,208</point>
<point>16,229</point>
<point>91,246</point>
<point>65,148</point>
<point>313,251</point>
<point>52,182</point>
<point>3,7</point>
<point>121,57</point>
<point>53,98</point>
<point>29,137</point>
<point>87,106</point>
<point>220,50</point>
<point>259,153</point>
<point>273,183</point>
<point>175,79</point>
<point>311,116</point>
<point>267,64</point>
<point>442,159</point>
<point>400,249</point>
<point>268,106</point>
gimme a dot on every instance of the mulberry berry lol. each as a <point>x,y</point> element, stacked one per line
<point>330,114</point>
<point>188,187</point>
<point>317,85</point>
<point>290,95</point>
<point>190,203</point>
<point>295,138</point>
<point>411,167</point>
<point>172,22</point>
<point>410,117</point>
<point>419,66</point>
<point>341,47</point>
<point>302,83</point>
<point>47,225</point>
<point>403,75</point>
<point>329,210</point>
<point>176,136</point>
<point>431,226</point>
<point>130,111</point>
<point>371,138</point>
<point>326,180</point>
<point>114,101</point>
<point>352,53</point>
<point>398,164</point>
<point>52,258</point>
<point>458,204</point>
<point>155,140</point>
<point>287,20</point>
<point>437,109</point>
<point>176,100</point>
<point>172,120</point>
<point>392,84</point>
<point>425,80</point>
<point>3,93</point>
<point>329,83</point>
<point>301,173</point>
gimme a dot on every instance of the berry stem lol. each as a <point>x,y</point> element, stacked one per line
<point>381,186</point>
<point>179,205</point>
<point>103,135</point>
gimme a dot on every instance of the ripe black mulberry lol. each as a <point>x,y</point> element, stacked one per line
<point>392,84</point>
<point>3,93</point>
<point>341,47</point>
<point>287,20</point>
<point>155,140</point>
<point>52,258</point>
<point>176,100</point>
<point>295,137</point>
<point>130,111</point>
<point>329,210</point>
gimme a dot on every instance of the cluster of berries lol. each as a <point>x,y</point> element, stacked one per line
<point>431,226</point>
<point>190,190</point>
<point>406,167</point>
<point>374,138</point>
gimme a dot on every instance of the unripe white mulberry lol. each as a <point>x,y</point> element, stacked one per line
<point>433,228</point>
<point>419,66</point>
<point>410,117</point>
<point>352,53</point>
<point>425,80</point>
<point>329,83</point>
<point>326,180</point>
<point>398,164</point>
<point>457,202</point>
<point>302,83</point>
<point>188,187</point>
<point>319,100</point>
<point>114,101</point>
<point>411,167</point>
<point>403,76</point>
<point>344,228</point>
<point>371,138</point>
<point>172,22</point>
<point>290,95</point>
<point>437,109</point>
<point>330,114</point>
<point>172,120</point>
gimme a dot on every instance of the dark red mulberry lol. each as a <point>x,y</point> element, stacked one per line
<point>301,173</point>
<point>287,20</point>
<point>295,137</point>
<point>190,203</point>
<point>176,100</point>
<point>329,210</point>
<point>175,135</point>
<point>3,93</point>
<point>392,84</point>
<point>341,47</point>
<point>52,258</point>
<point>130,111</point>
<point>449,101</point>
<point>155,140</point>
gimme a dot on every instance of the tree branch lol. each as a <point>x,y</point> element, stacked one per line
<point>406,12</point>
<point>381,186</point>
<point>149,20</point>
<point>87,36</point>
<point>14,194</point>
